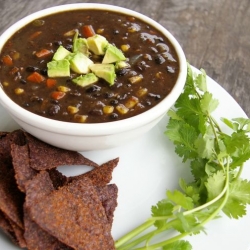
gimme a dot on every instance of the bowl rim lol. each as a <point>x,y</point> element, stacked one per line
<point>91,129</point>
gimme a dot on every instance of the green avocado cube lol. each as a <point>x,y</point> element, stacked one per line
<point>80,63</point>
<point>113,54</point>
<point>97,44</point>
<point>61,53</point>
<point>60,68</point>
<point>85,80</point>
<point>104,71</point>
<point>80,45</point>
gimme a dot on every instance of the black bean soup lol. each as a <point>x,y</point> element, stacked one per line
<point>151,73</point>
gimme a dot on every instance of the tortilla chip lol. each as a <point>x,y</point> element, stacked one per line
<point>73,214</point>
<point>21,164</point>
<point>18,235</point>
<point>37,238</point>
<point>108,197</point>
<point>44,156</point>
<point>4,223</point>
<point>14,232</point>
<point>11,198</point>
<point>6,140</point>
<point>99,176</point>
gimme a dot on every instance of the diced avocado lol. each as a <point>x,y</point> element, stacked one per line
<point>104,71</point>
<point>122,65</point>
<point>80,45</point>
<point>85,80</point>
<point>113,54</point>
<point>80,63</point>
<point>61,53</point>
<point>97,44</point>
<point>59,68</point>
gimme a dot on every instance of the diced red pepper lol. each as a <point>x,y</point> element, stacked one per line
<point>50,82</point>
<point>34,35</point>
<point>35,77</point>
<point>88,30</point>
<point>7,60</point>
<point>43,53</point>
<point>57,95</point>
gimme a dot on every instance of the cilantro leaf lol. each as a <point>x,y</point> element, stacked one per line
<point>207,103</point>
<point>234,209</point>
<point>178,245</point>
<point>180,199</point>
<point>189,190</point>
<point>238,123</point>
<point>183,136</point>
<point>205,147</point>
<point>163,208</point>
<point>215,184</point>
<point>240,191</point>
<point>201,81</point>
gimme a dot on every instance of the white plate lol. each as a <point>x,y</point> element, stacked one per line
<point>148,167</point>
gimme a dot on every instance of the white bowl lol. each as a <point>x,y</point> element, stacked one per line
<point>85,137</point>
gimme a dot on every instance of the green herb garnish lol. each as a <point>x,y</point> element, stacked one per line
<point>216,161</point>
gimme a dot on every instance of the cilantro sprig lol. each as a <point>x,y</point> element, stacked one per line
<point>216,161</point>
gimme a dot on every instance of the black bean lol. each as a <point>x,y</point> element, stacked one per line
<point>113,116</point>
<point>116,32</point>
<point>93,88</point>
<point>159,59</point>
<point>58,43</point>
<point>68,47</point>
<point>122,72</point>
<point>142,65</point>
<point>44,71</point>
<point>162,47</point>
<point>114,102</point>
<point>108,94</point>
<point>122,97</point>
<point>23,81</point>
<point>36,98</point>
<point>156,97</point>
<point>96,112</point>
<point>31,69</point>
<point>54,101</point>
<point>53,110</point>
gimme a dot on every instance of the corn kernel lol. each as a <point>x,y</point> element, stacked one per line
<point>72,110</point>
<point>19,91</point>
<point>141,92</point>
<point>15,55</point>
<point>135,79</point>
<point>5,84</point>
<point>122,109</point>
<point>108,109</point>
<point>131,102</point>
<point>125,47</point>
<point>100,31</point>
<point>159,75</point>
<point>70,33</point>
<point>63,89</point>
<point>80,118</point>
